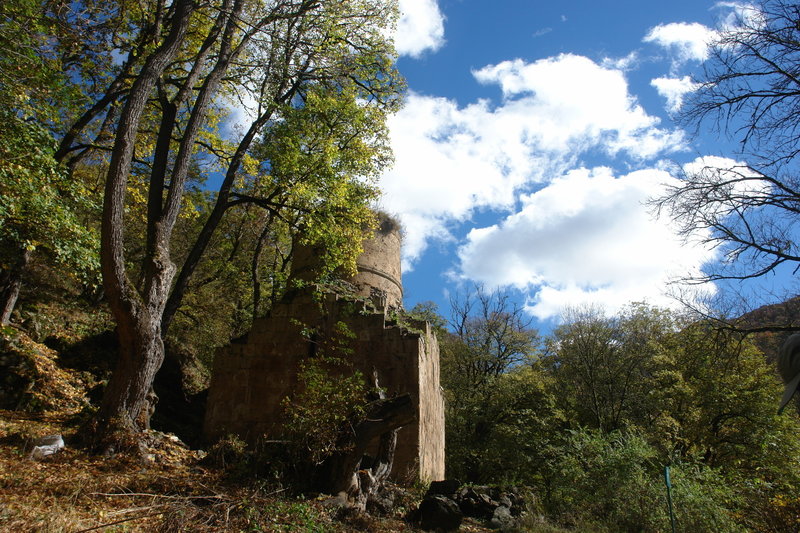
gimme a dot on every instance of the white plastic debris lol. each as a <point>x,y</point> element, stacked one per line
<point>47,446</point>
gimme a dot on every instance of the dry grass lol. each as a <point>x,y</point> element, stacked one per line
<point>77,492</point>
<point>73,491</point>
<point>172,491</point>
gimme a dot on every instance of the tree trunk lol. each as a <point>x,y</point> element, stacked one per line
<point>128,400</point>
<point>255,267</point>
<point>221,205</point>
<point>344,472</point>
<point>137,314</point>
<point>10,285</point>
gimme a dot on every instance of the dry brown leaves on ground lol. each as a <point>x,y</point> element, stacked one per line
<point>74,492</point>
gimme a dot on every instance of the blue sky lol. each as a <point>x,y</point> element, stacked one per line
<point>532,136</point>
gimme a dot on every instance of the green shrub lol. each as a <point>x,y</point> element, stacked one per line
<point>616,481</point>
<point>330,396</point>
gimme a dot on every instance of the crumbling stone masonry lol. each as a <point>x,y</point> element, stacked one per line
<point>252,377</point>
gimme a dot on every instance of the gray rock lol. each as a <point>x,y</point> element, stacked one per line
<point>502,519</point>
<point>47,446</point>
<point>476,502</point>
<point>340,500</point>
<point>446,487</point>
<point>438,512</point>
<point>505,500</point>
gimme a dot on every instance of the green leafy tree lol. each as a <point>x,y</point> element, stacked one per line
<point>428,311</point>
<point>490,337</point>
<point>218,303</point>
<point>727,406</point>
<point>43,211</point>
<point>614,481</point>
<point>702,398</point>
<point>513,428</point>
<point>318,79</point>
<point>603,365</point>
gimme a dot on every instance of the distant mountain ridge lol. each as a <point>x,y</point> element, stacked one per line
<point>773,322</point>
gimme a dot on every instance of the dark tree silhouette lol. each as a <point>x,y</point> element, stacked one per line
<point>750,90</point>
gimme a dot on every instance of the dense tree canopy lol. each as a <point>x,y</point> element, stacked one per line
<point>42,208</point>
<point>490,337</point>
<point>591,420</point>
<point>220,133</point>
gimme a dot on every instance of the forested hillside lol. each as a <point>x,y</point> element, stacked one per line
<point>590,416</point>
<point>159,161</point>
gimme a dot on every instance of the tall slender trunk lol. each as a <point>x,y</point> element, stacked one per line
<point>137,314</point>
<point>10,285</point>
<point>255,267</point>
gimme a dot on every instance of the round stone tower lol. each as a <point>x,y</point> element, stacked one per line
<point>379,277</point>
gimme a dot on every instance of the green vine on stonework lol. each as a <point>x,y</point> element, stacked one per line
<point>330,398</point>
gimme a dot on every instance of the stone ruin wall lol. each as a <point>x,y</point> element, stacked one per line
<point>430,428</point>
<point>251,378</point>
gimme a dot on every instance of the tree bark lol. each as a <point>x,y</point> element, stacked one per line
<point>10,285</point>
<point>221,205</point>
<point>140,313</point>
<point>138,316</point>
<point>344,472</point>
<point>255,268</point>
<point>281,95</point>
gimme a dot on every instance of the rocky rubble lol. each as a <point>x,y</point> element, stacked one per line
<point>446,504</point>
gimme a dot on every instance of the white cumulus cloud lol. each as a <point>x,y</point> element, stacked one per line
<point>586,237</point>
<point>452,160</point>
<point>625,63</point>
<point>420,28</point>
<point>687,40</point>
<point>571,98</point>
<point>737,13</point>
<point>674,89</point>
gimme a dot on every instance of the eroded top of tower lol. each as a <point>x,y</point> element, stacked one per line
<point>378,278</point>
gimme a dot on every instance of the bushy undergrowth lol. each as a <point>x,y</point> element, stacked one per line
<point>331,395</point>
<point>591,421</point>
<point>616,481</point>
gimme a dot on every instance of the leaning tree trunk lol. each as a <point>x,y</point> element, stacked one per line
<point>140,313</point>
<point>137,314</point>
<point>344,472</point>
<point>10,285</point>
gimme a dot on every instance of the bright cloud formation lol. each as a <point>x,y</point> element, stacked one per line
<point>688,41</point>
<point>587,236</point>
<point>740,13</point>
<point>570,98</point>
<point>452,160</point>
<point>420,29</point>
<point>674,89</point>
<point>562,228</point>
